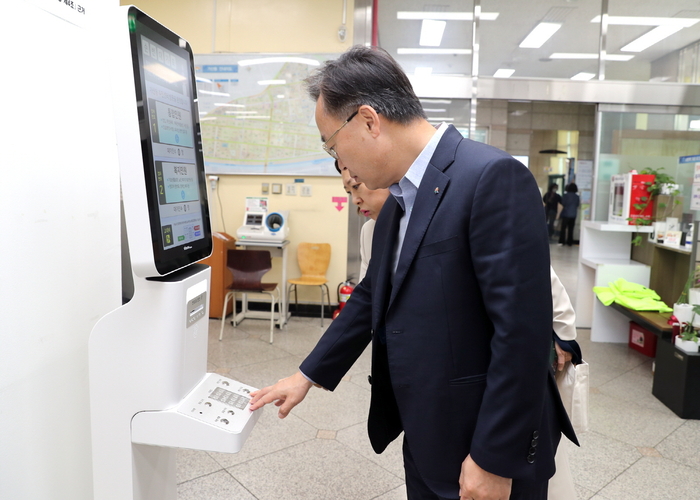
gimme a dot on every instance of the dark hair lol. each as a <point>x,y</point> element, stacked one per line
<point>572,188</point>
<point>364,75</point>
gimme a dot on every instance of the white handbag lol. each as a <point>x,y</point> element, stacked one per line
<point>573,383</point>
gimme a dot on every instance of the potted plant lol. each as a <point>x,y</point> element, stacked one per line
<point>687,339</point>
<point>682,308</point>
<point>662,184</point>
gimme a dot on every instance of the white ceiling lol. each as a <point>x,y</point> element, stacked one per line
<point>499,39</point>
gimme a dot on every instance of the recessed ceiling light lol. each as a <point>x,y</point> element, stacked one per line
<point>431,33</point>
<point>591,55</point>
<point>650,38</point>
<point>436,101</point>
<point>694,125</point>
<point>503,73</point>
<point>583,76</point>
<point>447,52</point>
<point>435,110</point>
<point>229,105</point>
<point>684,22</point>
<point>539,35</point>
<point>445,16</point>
<point>423,71</point>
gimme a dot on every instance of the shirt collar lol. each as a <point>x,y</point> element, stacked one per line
<point>415,173</point>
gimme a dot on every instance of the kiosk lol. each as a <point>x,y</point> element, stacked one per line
<point>149,388</point>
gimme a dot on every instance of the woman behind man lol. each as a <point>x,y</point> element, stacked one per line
<point>370,202</point>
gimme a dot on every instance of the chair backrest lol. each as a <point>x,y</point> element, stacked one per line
<point>248,266</point>
<point>314,258</point>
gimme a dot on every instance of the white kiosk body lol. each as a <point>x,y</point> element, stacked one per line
<point>149,388</point>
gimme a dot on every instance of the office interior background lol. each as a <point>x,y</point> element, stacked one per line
<point>615,84</point>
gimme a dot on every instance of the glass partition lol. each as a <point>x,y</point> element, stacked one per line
<point>639,138</point>
<point>545,39</point>
<point>427,39</point>
<point>653,33</point>
<point>643,40</point>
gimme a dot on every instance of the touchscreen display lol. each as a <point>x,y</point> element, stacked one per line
<point>171,144</point>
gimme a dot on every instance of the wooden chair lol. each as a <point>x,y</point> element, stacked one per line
<point>313,259</point>
<point>248,268</point>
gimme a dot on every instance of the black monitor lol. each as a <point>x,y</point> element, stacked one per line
<point>171,144</point>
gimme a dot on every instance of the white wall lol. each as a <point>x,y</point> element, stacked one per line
<point>59,257</point>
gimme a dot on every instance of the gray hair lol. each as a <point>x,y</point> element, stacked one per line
<point>364,75</point>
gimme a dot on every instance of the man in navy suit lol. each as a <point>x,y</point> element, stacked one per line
<point>456,301</point>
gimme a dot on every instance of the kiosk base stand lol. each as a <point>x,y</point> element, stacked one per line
<point>150,392</point>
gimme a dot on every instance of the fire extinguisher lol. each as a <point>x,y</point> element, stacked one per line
<point>344,291</point>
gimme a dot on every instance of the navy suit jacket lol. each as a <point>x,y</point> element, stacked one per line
<point>462,334</point>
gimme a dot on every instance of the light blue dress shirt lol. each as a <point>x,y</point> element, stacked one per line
<point>406,189</point>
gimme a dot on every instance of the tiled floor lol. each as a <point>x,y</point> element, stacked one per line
<point>636,448</point>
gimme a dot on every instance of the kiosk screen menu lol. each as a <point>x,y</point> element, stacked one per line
<point>170,143</point>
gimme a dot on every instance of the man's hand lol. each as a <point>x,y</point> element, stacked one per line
<point>562,357</point>
<point>287,393</point>
<point>477,484</point>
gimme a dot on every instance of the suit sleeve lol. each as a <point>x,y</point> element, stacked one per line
<point>344,340</point>
<point>510,250</point>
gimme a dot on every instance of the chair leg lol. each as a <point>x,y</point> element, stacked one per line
<point>223,313</point>
<point>244,308</point>
<point>296,302</point>
<point>272,313</point>
<point>323,303</point>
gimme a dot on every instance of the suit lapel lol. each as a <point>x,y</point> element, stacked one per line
<point>383,277</point>
<point>431,190</point>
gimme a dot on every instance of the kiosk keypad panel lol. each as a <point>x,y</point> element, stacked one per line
<point>219,401</point>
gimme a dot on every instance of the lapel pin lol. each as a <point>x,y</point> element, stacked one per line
<point>437,190</point>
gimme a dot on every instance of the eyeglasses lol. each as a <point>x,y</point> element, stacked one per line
<point>331,151</point>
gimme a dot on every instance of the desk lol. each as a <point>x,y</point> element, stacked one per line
<point>276,249</point>
<point>655,322</point>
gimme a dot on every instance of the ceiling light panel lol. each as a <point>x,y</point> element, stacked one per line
<point>591,55</point>
<point>504,73</point>
<point>648,21</point>
<point>431,33</point>
<point>650,38</point>
<point>583,76</point>
<point>450,52</point>
<point>539,35</point>
<point>445,16</point>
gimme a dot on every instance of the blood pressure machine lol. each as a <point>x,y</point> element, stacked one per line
<point>149,389</point>
<point>261,226</point>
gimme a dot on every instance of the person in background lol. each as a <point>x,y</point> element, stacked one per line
<point>456,301</point>
<point>369,203</point>
<point>570,201</point>
<point>551,201</point>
